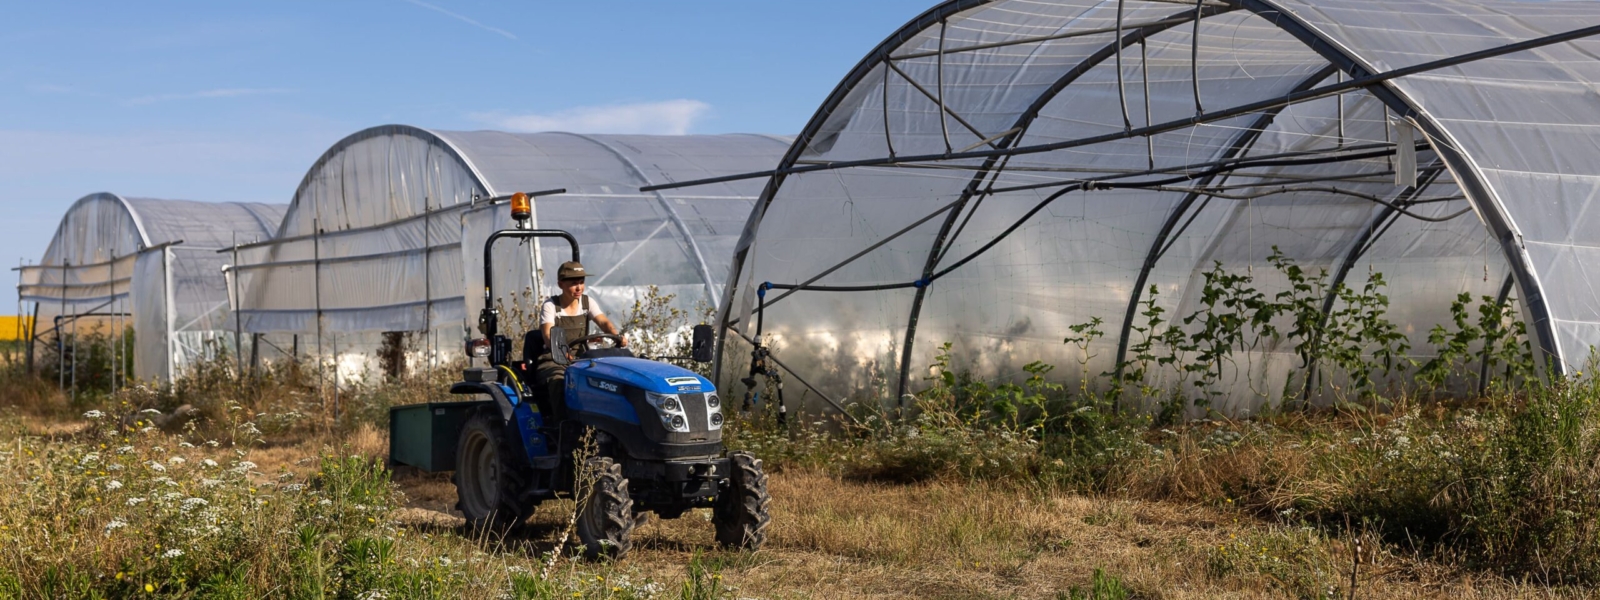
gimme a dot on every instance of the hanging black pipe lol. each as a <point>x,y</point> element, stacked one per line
<point>1356,83</point>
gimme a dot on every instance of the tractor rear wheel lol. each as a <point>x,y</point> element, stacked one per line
<point>490,476</point>
<point>605,522</point>
<point>740,512</point>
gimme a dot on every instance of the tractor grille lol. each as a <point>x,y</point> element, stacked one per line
<point>694,409</point>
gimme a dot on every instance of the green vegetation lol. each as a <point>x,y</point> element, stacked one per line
<point>113,499</point>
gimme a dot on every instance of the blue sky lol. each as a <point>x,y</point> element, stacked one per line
<point>233,101</point>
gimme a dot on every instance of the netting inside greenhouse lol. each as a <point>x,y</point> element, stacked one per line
<point>151,268</point>
<point>1006,175</point>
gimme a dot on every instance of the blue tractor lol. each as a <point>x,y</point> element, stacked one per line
<point>648,434</point>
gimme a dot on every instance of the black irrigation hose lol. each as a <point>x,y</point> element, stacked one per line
<point>1331,190</point>
<point>1158,128</point>
<point>1113,185</point>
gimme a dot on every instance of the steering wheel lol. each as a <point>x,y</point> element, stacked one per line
<point>580,345</point>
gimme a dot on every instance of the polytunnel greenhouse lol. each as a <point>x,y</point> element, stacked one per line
<point>385,233</point>
<point>998,172</point>
<point>119,264</point>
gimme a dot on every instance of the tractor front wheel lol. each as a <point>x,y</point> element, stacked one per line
<point>490,477</point>
<point>606,520</point>
<point>740,513</point>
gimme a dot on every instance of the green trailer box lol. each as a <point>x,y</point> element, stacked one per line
<point>424,435</point>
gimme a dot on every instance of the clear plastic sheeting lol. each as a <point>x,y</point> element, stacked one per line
<point>386,231</point>
<point>149,265</point>
<point>998,171</point>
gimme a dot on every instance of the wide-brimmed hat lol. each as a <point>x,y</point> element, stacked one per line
<point>571,270</point>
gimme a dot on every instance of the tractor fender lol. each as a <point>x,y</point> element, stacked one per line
<point>490,389</point>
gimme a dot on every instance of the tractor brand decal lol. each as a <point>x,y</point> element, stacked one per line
<point>683,381</point>
<point>603,384</point>
<point>688,388</point>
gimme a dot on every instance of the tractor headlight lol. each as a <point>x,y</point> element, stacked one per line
<point>713,401</point>
<point>716,420</point>
<point>667,403</point>
<point>671,410</point>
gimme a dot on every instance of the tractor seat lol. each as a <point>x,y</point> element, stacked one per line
<point>532,345</point>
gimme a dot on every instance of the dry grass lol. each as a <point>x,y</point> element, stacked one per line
<point>837,538</point>
<point>1182,516</point>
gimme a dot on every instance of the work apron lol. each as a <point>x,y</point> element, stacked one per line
<point>575,326</point>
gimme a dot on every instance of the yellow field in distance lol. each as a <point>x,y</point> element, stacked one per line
<point>13,327</point>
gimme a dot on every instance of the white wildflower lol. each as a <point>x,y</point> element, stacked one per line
<point>114,525</point>
<point>113,485</point>
<point>157,467</point>
<point>190,503</point>
<point>212,443</point>
<point>210,483</point>
<point>176,460</point>
<point>185,445</point>
<point>89,458</point>
<point>172,553</point>
<point>125,450</point>
<point>208,462</point>
<point>247,465</point>
<point>135,501</point>
<point>93,414</point>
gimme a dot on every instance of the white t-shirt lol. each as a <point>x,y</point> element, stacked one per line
<point>548,311</point>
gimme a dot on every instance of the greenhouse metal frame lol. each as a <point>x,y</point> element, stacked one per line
<point>151,265</point>
<point>1065,156</point>
<point>385,233</point>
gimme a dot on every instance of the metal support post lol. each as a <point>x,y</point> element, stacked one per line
<point>316,274</point>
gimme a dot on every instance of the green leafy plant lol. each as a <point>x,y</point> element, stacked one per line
<point>1360,340</point>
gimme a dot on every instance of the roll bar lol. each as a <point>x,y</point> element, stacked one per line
<point>488,253</point>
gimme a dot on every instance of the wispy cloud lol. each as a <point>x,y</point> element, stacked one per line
<point>207,94</point>
<point>670,117</point>
<point>463,19</point>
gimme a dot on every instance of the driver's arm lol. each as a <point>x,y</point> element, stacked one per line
<point>607,326</point>
<point>546,321</point>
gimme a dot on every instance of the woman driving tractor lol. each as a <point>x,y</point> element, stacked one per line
<point>571,311</point>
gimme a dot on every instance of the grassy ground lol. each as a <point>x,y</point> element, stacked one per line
<point>263,496</point>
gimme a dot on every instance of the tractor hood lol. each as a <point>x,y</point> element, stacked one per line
<point>647,375</point>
